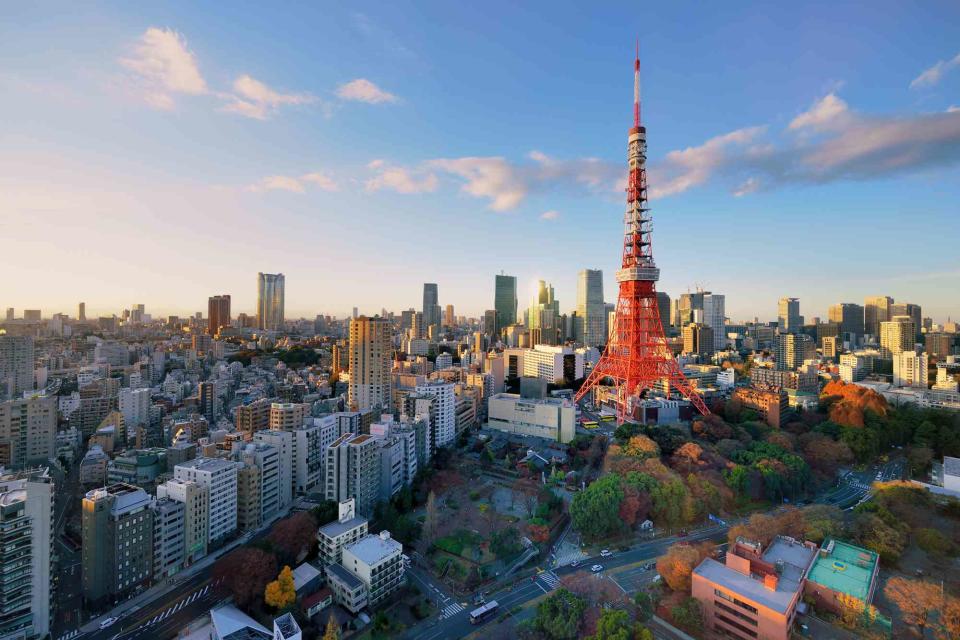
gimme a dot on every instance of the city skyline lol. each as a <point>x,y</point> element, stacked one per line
<point>364,130</point>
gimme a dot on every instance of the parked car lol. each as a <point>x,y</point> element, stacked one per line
<point>597,568</point>
<point>606,553</point>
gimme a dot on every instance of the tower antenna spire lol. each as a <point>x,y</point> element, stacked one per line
<point>636,87</point>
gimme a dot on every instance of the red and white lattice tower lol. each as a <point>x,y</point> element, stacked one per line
<point>637,356</point>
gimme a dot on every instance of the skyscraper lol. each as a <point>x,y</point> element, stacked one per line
<point>16,365</point>
<point>505,300</point>
<point>875,311</point>
<point>218,313</point>
<point>849,316</point>
<point>908,309</point>
<point>270,301</point>
<point>664,306</point>
<point>788,315</point>
<point>688,306</point>
<point>544,315</point>
<point>431,305</point>
<point>714,316</point>
<point>896,336</point>
<point>698,339</point>
<point>449,319</point>
<point>370,367</point>
<point>591,311</point>
<point>82,311</point>
<point>792,349</point>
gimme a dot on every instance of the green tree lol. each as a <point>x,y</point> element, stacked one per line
<point>559,616</point>
<point>688,615</point>
<point>671,504</point>
<point>614,624</point>
<point>644,604</point>
<point>596,510</point>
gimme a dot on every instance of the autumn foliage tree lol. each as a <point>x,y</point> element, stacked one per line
<point>333,631</point>
<point>677,564</point>
<point>294,536</point>
<point>916,599</point>
<point>281,593</point>
<point>848,402</point>
<point>245,574</point>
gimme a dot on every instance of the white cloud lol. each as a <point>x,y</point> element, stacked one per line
<point>362,90</point>
<point>321,180</point>
<point>294,184</point>
<point>550,215</point>
<point>953,108</point>
<point>401,180</point>
<point>934,74</point>
<point>684,169</point>
<point>163,66</point>
<point>826,113</point>
<point>749,186</point>
<point>492,178</point>
<point>254,99</point>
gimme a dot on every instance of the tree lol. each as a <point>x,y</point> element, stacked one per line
<point>293,537</point>
<point>325,512</point>
<point>505,542</point>
<point>934,542</point>
<point>559,616</point>
<point>431,523</point>
<point>614,624</point>
<point>915,599</point>
<point>671,504</point>
<point>281,593</point>
<point>333,631</point>
<point>641,446</point>
<point>596,510</point>
<point>677,564</point>
<point>245,573</point>
<point>688,615</point>
<point>644,604</point>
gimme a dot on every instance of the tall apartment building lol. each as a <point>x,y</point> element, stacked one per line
<point>876,310</point>
<point>910,369</point>
<point>258,485</point>
<point>134,404</point>
<point>270,301</point>
<point>117,534</point>
<point>443,412</point>
<point>195,499</point>
<point>849,316</point>
<point>913,311</point>
<point>207,401</point>
<point>370,364</point>
<point>169,518</point>
<point>792,349</point>
<point>284,442</point>
<point>219,476</point>
<point>698,339</point>
<point>505,300</point>
<point>353,471</point>
<point>896,335</point>
<point>28,431</point>
<point>218,313</point>
<point>286,416</point>
<point>789,319</point>
<point>346,529</point>
<point>938,344</point>
<point>252,417</point>
<point>552,363</point>
<point>28,529</point>
<point>16,365</point>
<point>591,310</point>
<point>715,317</point>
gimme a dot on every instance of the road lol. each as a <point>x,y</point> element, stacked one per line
<point>192,599</point>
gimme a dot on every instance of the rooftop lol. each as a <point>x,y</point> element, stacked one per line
<point>304,574</point>
<point>232,624</point>
<point>336,528</point>
<point>373,549</point>
<point>951,466</point>
<point>337,571</point>
<point>844,568</point>
<point>207,464</point>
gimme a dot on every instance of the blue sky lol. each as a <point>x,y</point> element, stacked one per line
<point>161,154</point>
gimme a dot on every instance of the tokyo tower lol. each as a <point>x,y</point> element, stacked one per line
<point>637,357</point>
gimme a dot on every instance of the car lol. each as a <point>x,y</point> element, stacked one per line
<point>107,623</point>
<point>657,578</point>
<point>575,563</point>
<point>606,553</point>
<point>597,568</point>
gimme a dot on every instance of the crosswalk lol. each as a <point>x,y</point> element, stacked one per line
<point>550,579</point>
<point>175,608</point>
<point>69,635</point>
<point>569,557</point>
<point>451,610</point>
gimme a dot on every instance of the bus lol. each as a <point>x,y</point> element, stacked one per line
<point>590,424</point>
<point>608,418</point>
<point>484,613</point>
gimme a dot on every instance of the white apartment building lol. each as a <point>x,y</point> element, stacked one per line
<point>135,407</point>
<point>219,476</point>
<point>910,369</point>
<point>347,529</point>
<point>26,520</point>
<point>376,561</point>
<point>196,524</point>
<point>443,413</point>
<point>553,364</point>
<point>285,443</point>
